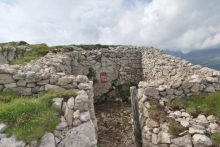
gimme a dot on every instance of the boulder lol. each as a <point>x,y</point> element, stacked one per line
<point>70,103</point>
<point>193,130</point>
<point>81,136</point>
<point>212,79</point>
<point>210,89</point>
<point>82,79</point>
<point>201,119</point>
<point>48,87</point>
<point>84,116</point>
<point>164,137</point>
<point>11,142</point>
<point>152,92</point>
<point>84,86</point>
<point>43,82</point>
<point>65,80</point>
<point>201,140</point>
<point>69,114</point>
<point>21,83</point>
<point>184,123</point>
<point>3,127</point>
<point>57,104</point>
<point>185,141</point>
<point>6,78</point>
<point>47,140</point>
<point>82,103</point>
<point>10,85</point>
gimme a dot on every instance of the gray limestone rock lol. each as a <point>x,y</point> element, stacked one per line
<point>6,78</point>
<point>3,127</point>
<point>81,136</point>
<point>47,140</point>
<point>185,141</point>
<point>201,141</point>
<point>11,142</point>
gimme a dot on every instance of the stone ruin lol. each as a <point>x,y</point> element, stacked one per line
<point>159,76</point>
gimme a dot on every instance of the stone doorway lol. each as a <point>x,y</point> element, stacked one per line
<point>114,117</point>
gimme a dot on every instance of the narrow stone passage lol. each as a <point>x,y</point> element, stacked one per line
<point>114,125</point>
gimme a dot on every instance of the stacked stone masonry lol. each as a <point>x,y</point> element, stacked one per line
<point>165,78</point>
<point>78,123</point>
<point>162,77</point>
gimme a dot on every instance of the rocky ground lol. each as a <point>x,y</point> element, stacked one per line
<point>114,124</point>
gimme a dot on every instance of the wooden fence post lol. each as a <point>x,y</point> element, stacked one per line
<point>135,113</point>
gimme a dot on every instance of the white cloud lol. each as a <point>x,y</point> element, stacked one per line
<point>175,24</point>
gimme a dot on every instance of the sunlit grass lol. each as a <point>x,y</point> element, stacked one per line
<point>207,104</point>
<point>29,118</point>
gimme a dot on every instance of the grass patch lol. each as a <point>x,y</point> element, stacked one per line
<point>8,96</point>
<point>28,119</point>
<point>216,139</point>
<point>37,51</point>
<point>207,104</point>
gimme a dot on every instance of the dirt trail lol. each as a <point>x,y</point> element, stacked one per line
<point>114,123</point>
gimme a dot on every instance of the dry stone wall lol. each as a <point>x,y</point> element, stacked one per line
<point>10,52</point>
<point>122,65</point>
<point>162,77</point>
<point>78,123</point>
<point>165,78</point>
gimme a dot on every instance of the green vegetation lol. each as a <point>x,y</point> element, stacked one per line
<point>7,96</point>
<point>157,113</point>
<point>37,51</point>
<point>207,104</point>
<point>120,91</point>
<point>175,128</point>
<point>216,139</point>
<point>29,118</point>
<point>40,50</point>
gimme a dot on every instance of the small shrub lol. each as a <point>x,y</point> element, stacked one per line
<point>156,112</point>
<point>175,128</point>
<point>103,98</point>
<point>216,139</point>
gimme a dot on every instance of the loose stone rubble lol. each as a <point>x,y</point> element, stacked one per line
<point>163,77</point>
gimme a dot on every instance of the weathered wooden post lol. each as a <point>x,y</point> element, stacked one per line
<point>135,113</point>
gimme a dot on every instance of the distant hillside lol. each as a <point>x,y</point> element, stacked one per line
<point>209,58</point>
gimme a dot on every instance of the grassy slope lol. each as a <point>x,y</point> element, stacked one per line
<point>28,118</point>
<point>209,104</point>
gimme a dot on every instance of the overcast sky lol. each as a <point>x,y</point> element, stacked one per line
<point>173,24</point>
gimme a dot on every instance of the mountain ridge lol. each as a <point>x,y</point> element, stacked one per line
<point>209,57</point>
